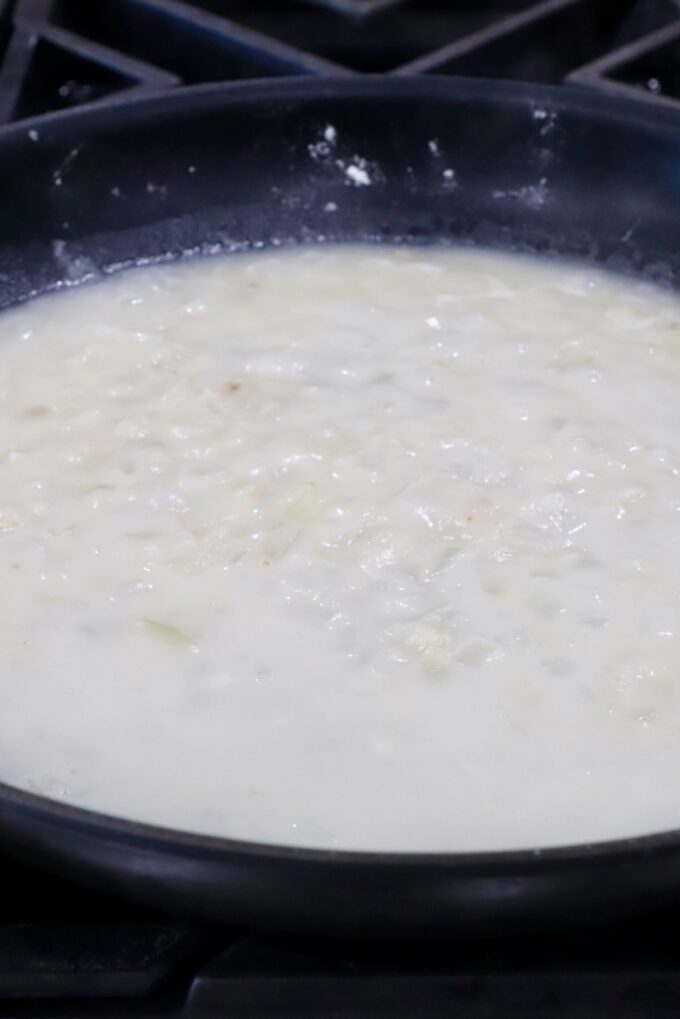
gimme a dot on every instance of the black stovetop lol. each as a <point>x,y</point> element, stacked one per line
<point>66,951</point>
<point>62,53</point>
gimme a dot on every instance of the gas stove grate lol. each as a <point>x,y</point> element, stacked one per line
<point>56,54</point>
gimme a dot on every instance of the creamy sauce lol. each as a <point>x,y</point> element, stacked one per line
<point>364,548</point>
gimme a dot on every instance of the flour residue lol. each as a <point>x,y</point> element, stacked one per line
<point>357,172</point>
<point>546,118</point>
<point>447,178</point>
<point>532,196</point>
<point>327,150</point>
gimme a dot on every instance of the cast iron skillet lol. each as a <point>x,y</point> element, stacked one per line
<point>555,171</point>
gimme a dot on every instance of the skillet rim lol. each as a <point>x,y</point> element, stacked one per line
<point>640,113</point>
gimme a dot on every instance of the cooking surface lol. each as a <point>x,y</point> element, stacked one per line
<point>65,951</point>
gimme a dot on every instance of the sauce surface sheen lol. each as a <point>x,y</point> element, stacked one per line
<point>364,548</point>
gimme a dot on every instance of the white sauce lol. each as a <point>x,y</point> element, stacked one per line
<point>365,548</point>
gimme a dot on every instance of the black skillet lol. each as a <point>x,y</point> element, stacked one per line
<point>561,172</point>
